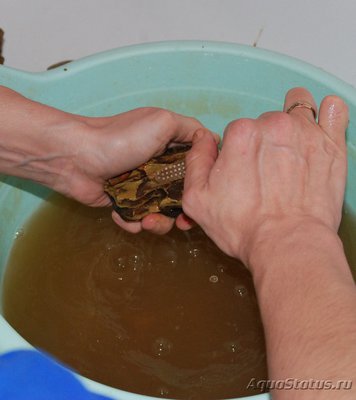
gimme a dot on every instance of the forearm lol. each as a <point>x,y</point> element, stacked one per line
<point>307,299</point>
<point>34,139</point>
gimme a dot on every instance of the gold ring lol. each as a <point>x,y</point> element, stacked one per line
<point>300,104</point>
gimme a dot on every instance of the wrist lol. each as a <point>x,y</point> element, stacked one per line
<point>51,147</point>
<point>40,144</point>
<point>58,157</point>
<point>282,240</point>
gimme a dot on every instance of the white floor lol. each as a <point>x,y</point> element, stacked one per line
<point>42,32</point>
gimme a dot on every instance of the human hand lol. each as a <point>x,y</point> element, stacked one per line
<point>74,155</point>
<point>272,174</point>
<point>109,146</point>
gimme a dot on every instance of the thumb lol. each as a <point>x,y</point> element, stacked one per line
<point>200,160</point>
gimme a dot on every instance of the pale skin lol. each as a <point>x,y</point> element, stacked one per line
<point>74,155</point>
<point>272,197</point>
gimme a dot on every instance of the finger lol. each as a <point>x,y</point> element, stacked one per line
<point>266,115</point>
<point>157,223</point>
<point>334,118</point>
<point>200,159</point>
<point>300,95</point>
<point>216,137</point>
<point>184,223</point>
<point>186,128</point>
<point>132,227</point>
<point>238,128</point>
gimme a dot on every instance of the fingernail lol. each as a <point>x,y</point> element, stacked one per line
<point>198,135</point>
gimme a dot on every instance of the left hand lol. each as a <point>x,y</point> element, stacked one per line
<point>108,146</point>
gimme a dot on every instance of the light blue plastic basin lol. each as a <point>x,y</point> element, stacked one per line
<point>215,82</point>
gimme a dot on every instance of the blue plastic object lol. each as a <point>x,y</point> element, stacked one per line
<point>30,375</point>
<point>214,82</point>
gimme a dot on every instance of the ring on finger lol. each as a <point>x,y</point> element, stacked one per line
<point>302,104</point>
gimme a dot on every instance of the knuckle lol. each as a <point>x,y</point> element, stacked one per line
<point>239,124</point>
<point>166,123</point>
<point>196,122</point>
<point>266,114</point>
<point>148,110</point>
<point>281,126</point>
<point>166,117</point>
<point>280,119</point>
<point>202,131</point>
<point>239,127</point>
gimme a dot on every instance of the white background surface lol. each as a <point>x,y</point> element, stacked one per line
<point>42,32</point>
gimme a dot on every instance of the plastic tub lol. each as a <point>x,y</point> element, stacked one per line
<point>215,82</point>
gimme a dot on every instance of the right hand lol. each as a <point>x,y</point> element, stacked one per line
<point>272,175</point>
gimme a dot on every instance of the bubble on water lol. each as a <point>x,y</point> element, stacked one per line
<point>231,346</point>
<point>120,262</point>
<point>202,379</point>
<point>162,347</point>
<point>221,268</point>
<point>110,246</point>
<point>195,252</point>
<point>132,262</point>
<point>19,233</point>
<point>135,262</point>
<point>163,391</point>
<point>180,311</point>
<point>213,279</point>
<point>240,290</point>
<point>99,220</point>
<point>118,265</point>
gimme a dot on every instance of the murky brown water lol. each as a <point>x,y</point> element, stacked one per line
<point>167,316</point>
